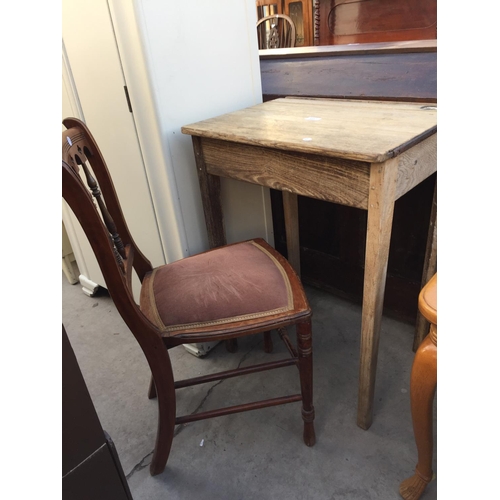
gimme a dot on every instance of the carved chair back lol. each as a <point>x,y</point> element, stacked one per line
<point>96,206</point>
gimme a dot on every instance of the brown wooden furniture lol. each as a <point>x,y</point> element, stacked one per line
<point>333,22</point>
<point>332,236</point>
<point>357,153</point>
<point>236,290</point>
<point>368,21</point>
<point>275,31</point>
<point>301,13</point>
<point>91,467</point>
<point>422,391</point>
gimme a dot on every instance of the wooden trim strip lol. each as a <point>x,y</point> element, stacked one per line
<point>235,373</point>
<point>157,318</point>
<point>289,294</point>
<point>286,340</point>
<point>238,409</point>
<point>351,49</point>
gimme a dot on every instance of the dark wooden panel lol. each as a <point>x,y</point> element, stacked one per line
<point>365,21</point>
<point>398,76</point>
<point>96,479</point>
<point>301,12</point>
<point>82,433</point>
<point>91,466</point>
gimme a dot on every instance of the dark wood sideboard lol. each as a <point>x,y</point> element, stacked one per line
<point>341,22</point>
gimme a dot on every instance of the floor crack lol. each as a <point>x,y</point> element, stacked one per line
<point>141,465</point>
<point>200,406</point>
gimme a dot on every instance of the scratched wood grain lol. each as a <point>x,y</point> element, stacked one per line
<point>336,180</point>
<point>416,165</point>
<point>291,211</point>
<point>371,131</point>
<point>383,181</point>
<point>210,195</point>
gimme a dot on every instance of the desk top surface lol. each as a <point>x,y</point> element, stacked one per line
<point>372,131</point>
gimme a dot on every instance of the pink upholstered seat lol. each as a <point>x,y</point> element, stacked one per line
<point>232,283</point>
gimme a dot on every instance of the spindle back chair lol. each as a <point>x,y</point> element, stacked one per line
<point>276,31</point>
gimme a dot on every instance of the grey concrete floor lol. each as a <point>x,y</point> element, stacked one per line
<point>257,454</point>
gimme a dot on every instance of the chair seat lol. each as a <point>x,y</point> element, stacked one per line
<point>245,283</point>
<point>427,300</point>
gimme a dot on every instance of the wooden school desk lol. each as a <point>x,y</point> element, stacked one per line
<point>363,154</point>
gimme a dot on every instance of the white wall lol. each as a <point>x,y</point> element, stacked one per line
<point>185,62</point>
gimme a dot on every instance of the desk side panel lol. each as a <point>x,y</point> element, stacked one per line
<point>416,164</point>
<point>335,180</point>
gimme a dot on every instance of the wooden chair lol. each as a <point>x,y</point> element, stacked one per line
<point>422,391</point>
<point>276,31</point>
<point>241,289</point>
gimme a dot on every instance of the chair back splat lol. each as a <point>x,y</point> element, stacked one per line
<point>276,31</point>
<point>232,291</point>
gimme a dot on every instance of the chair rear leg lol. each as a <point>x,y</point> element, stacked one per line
<point>304,349</point>
<point>268,342</point>
<point>231,345</point>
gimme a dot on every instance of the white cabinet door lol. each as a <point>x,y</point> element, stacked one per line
<point>93,90</point>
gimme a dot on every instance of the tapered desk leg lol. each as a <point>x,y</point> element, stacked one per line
<point>422,391</point>
<point>383,178</point>
<point>430,267</point>
<point>210,197</point>
<point>291,212</point>
<point>212,208</point>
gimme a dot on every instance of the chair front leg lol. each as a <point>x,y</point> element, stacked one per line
<point>163,382</point>
<point>422,391</point>
<point>304,349</point>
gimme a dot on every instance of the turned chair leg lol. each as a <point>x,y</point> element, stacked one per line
<point>268,342</point>
<point>304,349</point>
<point>422,391</point>
<point>231,345</point>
